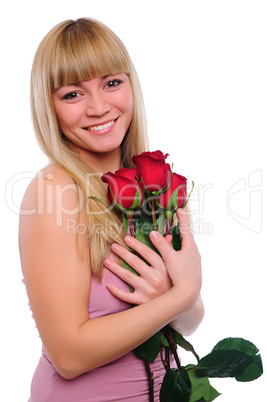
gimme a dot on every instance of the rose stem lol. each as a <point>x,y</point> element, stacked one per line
<point>168,221</point>
<point>130,221</point>
<point>153,214</point>
<point>150,377</point>
<point>166,360</point>
<point>169,337</point>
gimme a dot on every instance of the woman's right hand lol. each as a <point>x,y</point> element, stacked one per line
<point>183,267</point>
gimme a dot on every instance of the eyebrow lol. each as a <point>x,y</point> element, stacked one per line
<point>102,78</point>
<point>78,84</point>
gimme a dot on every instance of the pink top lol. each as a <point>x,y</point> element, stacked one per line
<point>124,379</point>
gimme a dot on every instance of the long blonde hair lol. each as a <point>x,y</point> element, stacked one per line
<point>75,51</point>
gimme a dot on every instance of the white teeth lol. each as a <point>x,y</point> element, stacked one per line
<point>101,127</point>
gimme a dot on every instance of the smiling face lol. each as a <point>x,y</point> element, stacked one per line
<point>81,52</point>
<point>95,114</point>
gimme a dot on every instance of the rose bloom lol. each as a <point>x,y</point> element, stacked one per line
<point>125,188</point>
<point>155,173</point>
<point>176,195</point>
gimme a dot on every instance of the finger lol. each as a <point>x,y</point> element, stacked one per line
<point>169,239</point>
<point>146,252</point>
<point>121,272</point>
<point>130,258</point>
<point>184,225</point>
<point>187,211</point>
<point>161,244</point>
<point>141,293</point>
<point>126,297</point>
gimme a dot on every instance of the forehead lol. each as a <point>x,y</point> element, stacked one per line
<point>84,58</point>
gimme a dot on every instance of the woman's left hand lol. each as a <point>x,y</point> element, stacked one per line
<point>153,279</point>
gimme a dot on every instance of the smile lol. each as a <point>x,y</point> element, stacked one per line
<point>101,126</point>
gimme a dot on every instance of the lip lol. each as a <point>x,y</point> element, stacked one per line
<point>108,126</point>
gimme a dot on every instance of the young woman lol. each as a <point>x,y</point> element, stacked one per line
<point>89,118</point>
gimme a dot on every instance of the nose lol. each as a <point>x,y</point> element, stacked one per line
<point>97,105</point>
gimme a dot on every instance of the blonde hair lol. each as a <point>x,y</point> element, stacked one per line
<point>76,51</point>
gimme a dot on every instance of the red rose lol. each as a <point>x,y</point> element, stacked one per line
<point>156,174</point>
<point>157,156</point>
<point>125,188</point>
<point>176,195</point>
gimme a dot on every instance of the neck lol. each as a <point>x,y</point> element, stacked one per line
<point>102,163</point>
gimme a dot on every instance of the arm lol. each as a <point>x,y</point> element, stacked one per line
<point>188,322</point>
<point>57,274</point>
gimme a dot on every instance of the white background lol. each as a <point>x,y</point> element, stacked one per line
<point>203,69</point>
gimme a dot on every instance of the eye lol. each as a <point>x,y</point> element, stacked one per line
<point>113,83</point>
<point>70,95</point>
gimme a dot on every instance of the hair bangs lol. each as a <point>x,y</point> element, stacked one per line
<point>85,52</point>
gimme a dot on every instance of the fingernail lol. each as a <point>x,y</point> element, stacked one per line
<point>128,239</point>
<point>115,247</point>
<point>107,263</point>
<point>154,234</point>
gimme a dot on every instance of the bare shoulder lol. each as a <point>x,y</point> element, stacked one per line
<point>52,192</point>
<point>52,209</point>
<point>51,181</point>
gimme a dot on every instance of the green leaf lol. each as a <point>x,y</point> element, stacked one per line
<point>252,372</point>
<point>201,388</point>
<point>176,386</point>
<point>125,222</point>
<point>142,223</point>
<point>179,340</point>
<point>91,197</point>
<point>213,394</point>
<point>137,199</point>
<point>173,201</point>
<point>255,369</point>
<point>129,268</point>
<point>164,341</point>
<point>200,385</point>
<point>224,363</point>
<point>237,344</point>
<point>193,184</point>
<point>149,349</point>
<point>176,237</point>
<point>143,238</point>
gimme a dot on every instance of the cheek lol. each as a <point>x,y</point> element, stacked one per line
<point>60,113</point>
<point>131,107</point>
<point>124,102</point>
<point>128,102</point>
<point>66,118</point>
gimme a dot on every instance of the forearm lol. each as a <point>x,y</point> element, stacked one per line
<point>187,322</point>
<point>104,339</point>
